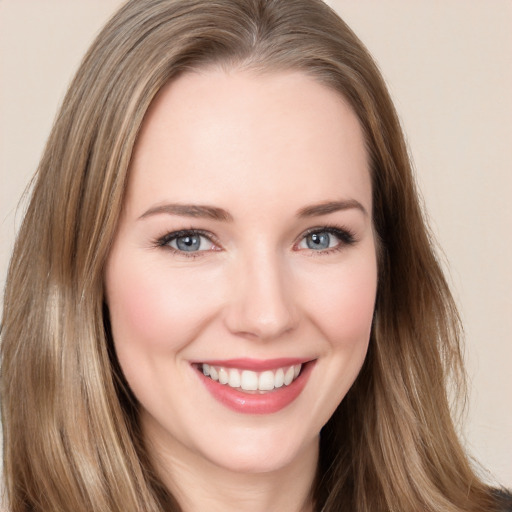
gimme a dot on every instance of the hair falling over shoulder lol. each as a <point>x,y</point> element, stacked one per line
<point>71,434</point>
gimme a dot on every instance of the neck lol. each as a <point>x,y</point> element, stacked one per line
<point>199,484</point>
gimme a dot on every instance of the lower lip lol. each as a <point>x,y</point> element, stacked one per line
<point>265,403</point>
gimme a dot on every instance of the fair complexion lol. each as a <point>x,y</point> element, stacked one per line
<point>246,235</point>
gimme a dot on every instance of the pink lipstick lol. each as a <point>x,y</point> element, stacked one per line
<point>253,386</point>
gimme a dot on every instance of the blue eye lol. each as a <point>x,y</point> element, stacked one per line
<point>319,241</point>
<point>325,239</point>
<point>187,242</point>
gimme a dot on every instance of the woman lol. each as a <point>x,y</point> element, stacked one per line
<point>223,293</point>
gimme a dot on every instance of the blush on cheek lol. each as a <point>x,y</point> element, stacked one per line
<point>134,305</point>
<point>349,311</point>
<point>142,317</point>
<point>157,307</point>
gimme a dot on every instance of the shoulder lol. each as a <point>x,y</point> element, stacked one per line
<point>504,498</point>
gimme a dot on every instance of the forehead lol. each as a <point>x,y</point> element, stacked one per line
<point>212,133</point>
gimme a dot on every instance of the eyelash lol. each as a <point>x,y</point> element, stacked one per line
<point>165,240</point>
<point>345,236</point>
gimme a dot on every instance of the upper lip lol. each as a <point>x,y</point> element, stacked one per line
<point>256,364</point>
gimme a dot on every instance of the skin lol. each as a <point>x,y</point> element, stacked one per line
<point>263,148</point>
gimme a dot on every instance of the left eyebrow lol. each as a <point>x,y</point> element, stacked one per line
<point>325,208</point>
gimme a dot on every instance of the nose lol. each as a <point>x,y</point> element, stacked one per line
<point>261,304</point>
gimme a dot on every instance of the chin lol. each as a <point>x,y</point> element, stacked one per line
<point>253,454</point>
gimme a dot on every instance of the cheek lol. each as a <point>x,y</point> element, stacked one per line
<point>153,308</point>
<point>344,304</point>
<point>342,311</point>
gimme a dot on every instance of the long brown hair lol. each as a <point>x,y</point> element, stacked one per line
<point>71,435</point>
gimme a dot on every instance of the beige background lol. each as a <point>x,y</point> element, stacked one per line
<point>449,68</point>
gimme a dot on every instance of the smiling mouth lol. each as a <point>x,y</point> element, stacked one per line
<point>249,381</point>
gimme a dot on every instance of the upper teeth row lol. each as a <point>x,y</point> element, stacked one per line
<point>252,381</point>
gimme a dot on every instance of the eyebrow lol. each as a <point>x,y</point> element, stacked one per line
<point>215,213</point>
<point>190,210</point>
<point>330,207</point>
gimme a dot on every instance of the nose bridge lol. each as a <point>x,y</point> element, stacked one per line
<point>262,302</point>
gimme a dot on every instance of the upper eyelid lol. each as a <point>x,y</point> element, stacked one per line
<point>326,229</point>
<point>172,235</point>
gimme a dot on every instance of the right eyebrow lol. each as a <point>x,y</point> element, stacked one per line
<point>189,210</point>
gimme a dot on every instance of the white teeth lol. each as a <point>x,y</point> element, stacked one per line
<point>266,381</point>
<point>223,376</point>
<point>213,373</point>
<point>234,378</point>
<point>249,380</point>
<point>279,378</point>
<point>288,376</point>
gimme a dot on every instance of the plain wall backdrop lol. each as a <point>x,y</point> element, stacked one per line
<point>449,69</point>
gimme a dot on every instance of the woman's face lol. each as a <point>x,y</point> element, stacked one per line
<point>245,252</point>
